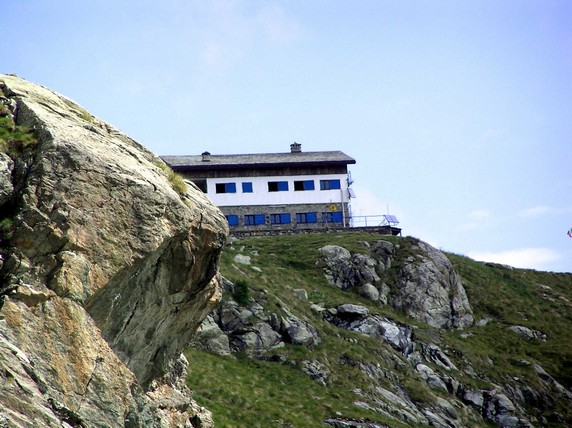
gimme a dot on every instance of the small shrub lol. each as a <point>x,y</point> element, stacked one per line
<point>6,228</point>
<point>241,292</point>
<point>14,139</point>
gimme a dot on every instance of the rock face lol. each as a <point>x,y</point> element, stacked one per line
<point>431,291</point>
<point>107,272</point>
<point>357,318</point>
<point>251,328</point>
<point>426,287</point>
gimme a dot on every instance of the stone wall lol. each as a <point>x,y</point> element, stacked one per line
<point>267,210</point>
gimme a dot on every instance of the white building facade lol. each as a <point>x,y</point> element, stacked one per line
<point>280,191</point>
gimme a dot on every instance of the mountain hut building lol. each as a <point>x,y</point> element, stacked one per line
<point>274,191</point>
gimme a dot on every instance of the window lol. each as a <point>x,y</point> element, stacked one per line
<point>306,217</point>
<point>277,186</point>
<point>254,219</point>
<point>304,185</point>
<point>332,217</point>
<point>247,187</point>
<point>226,187</point>
<point>232,220</point>
<point>330,184</point>
<point>283,218</point>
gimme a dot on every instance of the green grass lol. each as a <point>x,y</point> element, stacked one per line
<point>263,394</point>
<point>244,392</point>
<point>517,297</point>
<point>14,139</point>
<point>79,111</point>
<point>176,180</point>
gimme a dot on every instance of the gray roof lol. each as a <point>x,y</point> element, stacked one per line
<point>259,160</point>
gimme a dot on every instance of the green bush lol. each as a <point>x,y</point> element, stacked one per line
<point>241,292</point>
<point>14,139</point>
<point>6,228</point>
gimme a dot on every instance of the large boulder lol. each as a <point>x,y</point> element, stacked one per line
<point>108,271</point>
<point>431,291</point>
<point>298,332</point>
<point>357,318</point>
<point>256,338</point>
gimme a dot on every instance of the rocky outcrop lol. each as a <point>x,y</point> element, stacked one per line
<point>357,318</point>
<point>527,333</point>
<point>251,328</point>
<point>425,286</point>
<point>430,290</point>
<point>345,270</point>
<point>108,269</point>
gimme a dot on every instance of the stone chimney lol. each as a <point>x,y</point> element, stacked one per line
<point>206,156</point>
<point>295,148</point>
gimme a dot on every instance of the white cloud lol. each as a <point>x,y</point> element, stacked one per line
<point>226,31</point>
<point>478,219</point>
<point>367,203</point>
<point>541,210</point>
<point>530,258</point>
<point>480,214</point>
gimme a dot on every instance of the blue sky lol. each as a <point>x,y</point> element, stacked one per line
<point>459,114</point>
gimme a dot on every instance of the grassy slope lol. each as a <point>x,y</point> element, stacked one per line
<point>246,393</point>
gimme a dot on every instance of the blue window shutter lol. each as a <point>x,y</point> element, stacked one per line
<point>247,187</point>
<point>232,220</point>
<point>312,217</point>
<point>309,185</point>
<point>337,217</point>
<point>285,218</point>
<point>335,184</point>
<point>282,186</point>
<point>259,219</point>
<point>230,187</point>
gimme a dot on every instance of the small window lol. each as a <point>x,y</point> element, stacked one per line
<point>304,185</point>
<point>226,187</point>
<point>307,217</point>
<point>330,184</point>
<point>254,219</point>
<point>332,217</point>
<point>283,218</point>
<point>277,186</point>
<point>247,187</point>
<point>232,220</point>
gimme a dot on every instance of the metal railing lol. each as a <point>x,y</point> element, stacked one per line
<point>369,221</point>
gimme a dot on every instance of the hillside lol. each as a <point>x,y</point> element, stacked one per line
<point>308,336</point>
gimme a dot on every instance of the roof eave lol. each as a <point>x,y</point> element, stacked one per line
<point>210,166</point>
